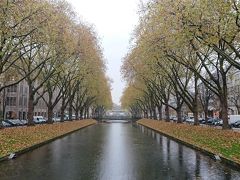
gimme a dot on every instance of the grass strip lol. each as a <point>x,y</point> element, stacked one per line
<point>19,138</point>
<point>225,143</point>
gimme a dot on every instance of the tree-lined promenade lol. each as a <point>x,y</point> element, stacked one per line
<point>58,55</point>
<point>183,53</point>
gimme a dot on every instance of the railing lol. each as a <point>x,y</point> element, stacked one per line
<point>117,118</point>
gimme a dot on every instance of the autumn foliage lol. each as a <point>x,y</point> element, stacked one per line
<point>224,143</point>
<point>183,56</point>
<point>18,138</point>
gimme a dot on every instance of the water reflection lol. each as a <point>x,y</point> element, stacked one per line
<point>115,151</point>
<point>117,159</point>
<point>193,164</point>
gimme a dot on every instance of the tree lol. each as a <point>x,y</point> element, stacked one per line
<point>16,27</point>
<point>59,56</point>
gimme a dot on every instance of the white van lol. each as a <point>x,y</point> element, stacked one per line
<point>39,119</point>
<point>233,119</point>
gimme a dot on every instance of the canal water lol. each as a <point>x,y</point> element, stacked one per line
<point>114,151</point>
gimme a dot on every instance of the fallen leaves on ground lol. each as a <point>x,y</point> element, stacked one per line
<point>18,138</point>
<point>222,142</point>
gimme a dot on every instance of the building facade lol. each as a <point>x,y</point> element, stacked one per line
<point>14,103</point>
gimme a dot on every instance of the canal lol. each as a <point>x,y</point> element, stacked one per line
<point>114,151</point>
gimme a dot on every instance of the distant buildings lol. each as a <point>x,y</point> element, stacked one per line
<point>234,92</point>
<point>14,103</point>
<point>213,105</point>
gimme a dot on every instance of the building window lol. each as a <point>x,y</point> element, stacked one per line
<point>20,101</point>
<point>24,101</point>
<point>11,101</point>
<point>24,115</point>
<point>21,88</point>
<point>19,115</point>
<point>11,115</point>
<point>12,88</point>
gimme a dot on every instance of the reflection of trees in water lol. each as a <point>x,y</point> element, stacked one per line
<point>181,162</point>
<point>168,149</point>
<point>153,135</point>
<point>227,173</point>
<point>180,154</point>
<point>197,165</point>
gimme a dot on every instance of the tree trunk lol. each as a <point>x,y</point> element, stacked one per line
<point>70,110</point>
<point>3,109</point>
<point>224,106</point>
<point>206,112</point>
<point>195,103</point>
<point>195,112</point>
<point>145,114</point>
<point>160,112</point>
<point>50,114</point>
<point>179,115</point>
<point>238,109</point>
<point>30,106</point>
<point>87,113</point>
<point>167,113</point>
<point>3,104</point>
<point>195,115</point>
<point>62,110</point>
<point>77,114</point>
<point>151,113</point>
<point>81,114</point>
<point>154,113</point>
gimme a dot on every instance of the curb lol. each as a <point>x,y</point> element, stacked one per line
<point>35,146</point>
<point>224,160</point>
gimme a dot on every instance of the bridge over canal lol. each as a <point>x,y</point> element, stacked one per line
<point>116,115</point>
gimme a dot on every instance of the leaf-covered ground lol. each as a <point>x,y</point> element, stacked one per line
<point>222,142</point>
<point>18,138</point>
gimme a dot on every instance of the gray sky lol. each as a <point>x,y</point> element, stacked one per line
<point>114,22</point>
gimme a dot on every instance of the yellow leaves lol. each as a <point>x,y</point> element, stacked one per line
<point>17,138</point>
<point>226,143</point>
<point>130,94</point>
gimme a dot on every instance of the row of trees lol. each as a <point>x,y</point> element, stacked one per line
<point>183,53</point>
<point>44,43</point>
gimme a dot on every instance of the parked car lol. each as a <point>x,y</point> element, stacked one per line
<point>66,117</point>
<point>57,119</point>
<point>174,118</point>
<point>210,121</point>
<point>6,124</point>
<point>74,117</point>
<point>190,120</point>
<point>236,124</point>
<point>233,119</point>
<point>13,122</point>
<point>24,121</point>
<point>184,118</point>
<point>215,121</point>
<point>18,122</point>
<point>39,119</point>
<point>202,121</point>
<point>220,122</point>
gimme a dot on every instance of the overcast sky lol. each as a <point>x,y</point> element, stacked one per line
<point>114,22</point>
